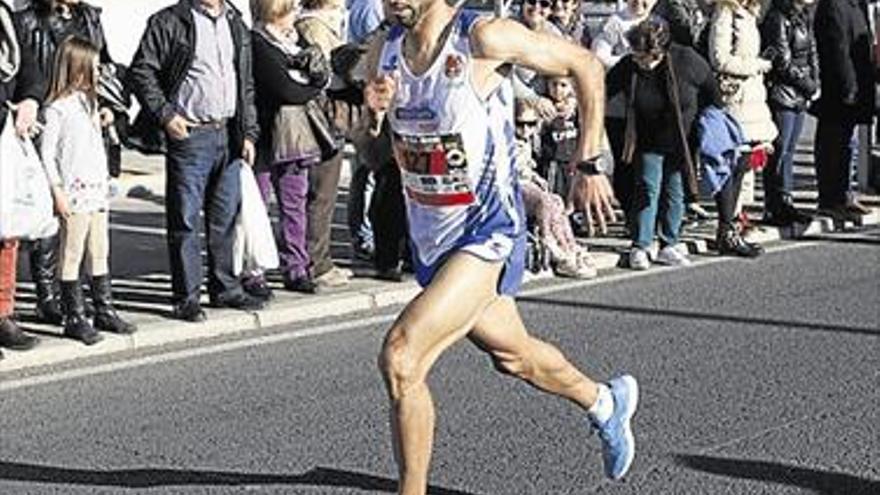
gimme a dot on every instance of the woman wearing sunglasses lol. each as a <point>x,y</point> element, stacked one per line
<point>535,15</point>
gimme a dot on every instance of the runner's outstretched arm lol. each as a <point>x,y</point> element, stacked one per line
<point>508,42</point>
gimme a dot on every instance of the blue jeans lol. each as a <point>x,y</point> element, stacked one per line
<point>659,198</point>
<point>199,176</point>
<point>779,172</point>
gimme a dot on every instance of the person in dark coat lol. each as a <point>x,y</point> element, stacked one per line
<point>285,75</point>
<point>22,86</point>
<point>193,76</point>
<point>667,85</point>
<point>844,42</point>
<point>792,84</point>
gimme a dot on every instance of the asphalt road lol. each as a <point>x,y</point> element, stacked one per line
<point>757,377</point>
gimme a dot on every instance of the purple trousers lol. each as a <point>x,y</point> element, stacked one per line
<point>291,185</point>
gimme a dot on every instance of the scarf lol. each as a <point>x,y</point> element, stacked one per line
<point>10,54</point>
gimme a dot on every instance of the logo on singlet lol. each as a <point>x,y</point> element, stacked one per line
<point>454,67</point>
<point>415,113</point>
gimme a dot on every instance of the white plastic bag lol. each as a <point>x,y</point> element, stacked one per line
<point>26,206</point>
<point>254,239</point>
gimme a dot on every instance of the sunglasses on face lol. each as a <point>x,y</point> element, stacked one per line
<point>526,123</point>
<point>544,4</point>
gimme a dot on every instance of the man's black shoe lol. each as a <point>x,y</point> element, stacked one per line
<point>259,289</point>
<point>304,285</point>
<point>242,301</point>
<point>190,311</point>
<point>13,338</point>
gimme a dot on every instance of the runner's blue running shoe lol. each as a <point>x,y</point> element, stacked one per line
<point>618,443</point>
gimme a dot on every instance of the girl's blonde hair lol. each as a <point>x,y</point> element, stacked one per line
<point>76,69</point>
<point>266,11</point>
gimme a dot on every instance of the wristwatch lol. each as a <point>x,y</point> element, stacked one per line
<point>592,166</point>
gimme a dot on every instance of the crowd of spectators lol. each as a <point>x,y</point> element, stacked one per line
<point>702,96</point>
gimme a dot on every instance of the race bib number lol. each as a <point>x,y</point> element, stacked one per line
<point>434,169</point>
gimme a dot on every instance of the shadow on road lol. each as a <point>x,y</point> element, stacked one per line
<point>822,482</point>
<point>695,315</point>
<point>152,478</point>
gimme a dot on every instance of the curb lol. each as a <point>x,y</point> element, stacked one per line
<point>227,323</point>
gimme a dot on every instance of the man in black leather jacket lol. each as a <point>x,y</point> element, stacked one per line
<point>184,86</point>
<point>44,24</point>
<point>793,83</point>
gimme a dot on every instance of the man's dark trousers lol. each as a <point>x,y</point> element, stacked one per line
<point>199,175</point>
<point>833,156</point>
<point>388,216</point>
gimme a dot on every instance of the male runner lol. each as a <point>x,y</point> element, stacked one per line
<point>440,78</point>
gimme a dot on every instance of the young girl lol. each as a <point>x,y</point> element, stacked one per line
<point>546,209</point>
<point>559,136</point>
<point>74,157</point>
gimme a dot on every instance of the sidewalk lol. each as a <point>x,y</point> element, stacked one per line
<point>142,283</point>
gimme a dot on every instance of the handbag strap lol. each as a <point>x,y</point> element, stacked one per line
<point>690,171</point>
<point>630,134</point>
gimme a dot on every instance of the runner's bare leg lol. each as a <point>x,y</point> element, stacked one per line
<point>444,313</point>
<point>501,332</point>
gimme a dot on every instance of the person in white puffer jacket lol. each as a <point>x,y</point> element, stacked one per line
<point>735,55</point>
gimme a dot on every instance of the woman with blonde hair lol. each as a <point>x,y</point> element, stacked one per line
<point>287,76</point>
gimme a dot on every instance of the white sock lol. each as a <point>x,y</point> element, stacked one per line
<point>603,408</point>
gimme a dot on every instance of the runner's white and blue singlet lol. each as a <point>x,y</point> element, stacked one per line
<point>455,151</point>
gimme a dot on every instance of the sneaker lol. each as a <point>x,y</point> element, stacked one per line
<point>639,259</point>
<point>575,266</point>
<point>587,264</point>
<point>670,256</point>
<point>333,278</point>
<point>618,443</point>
